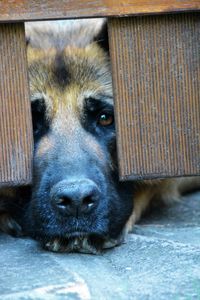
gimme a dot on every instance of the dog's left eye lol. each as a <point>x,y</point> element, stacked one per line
<point>40,125</point>
<point>105,119</point>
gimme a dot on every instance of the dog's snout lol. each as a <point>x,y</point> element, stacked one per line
<point>75,198</point>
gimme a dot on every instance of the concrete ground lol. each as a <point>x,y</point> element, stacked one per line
<point>160,260</point>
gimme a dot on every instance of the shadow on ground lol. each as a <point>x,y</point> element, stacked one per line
<point>160,260</point>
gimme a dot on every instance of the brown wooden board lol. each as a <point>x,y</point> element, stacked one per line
<point>156,78</point>
<point>23,10</point>
<point>15,116</point>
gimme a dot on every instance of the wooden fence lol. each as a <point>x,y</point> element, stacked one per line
<point>155,56</point>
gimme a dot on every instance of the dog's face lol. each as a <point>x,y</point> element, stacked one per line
<point>77,201</point>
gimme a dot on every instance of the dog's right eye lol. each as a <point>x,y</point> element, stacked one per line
<point>38,117</point>
<point>105,119</point>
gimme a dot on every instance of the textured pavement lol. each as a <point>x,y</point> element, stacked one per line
<point>160,260</point>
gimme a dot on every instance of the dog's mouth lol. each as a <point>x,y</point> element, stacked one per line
<point>81,243</point>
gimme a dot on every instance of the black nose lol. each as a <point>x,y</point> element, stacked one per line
<point>75,198</point>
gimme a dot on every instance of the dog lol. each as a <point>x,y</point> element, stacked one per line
<point>76,202</point>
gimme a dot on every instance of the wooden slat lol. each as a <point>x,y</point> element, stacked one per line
<point>156,77</point>
<point>15,116</point>
<point>23,10</point>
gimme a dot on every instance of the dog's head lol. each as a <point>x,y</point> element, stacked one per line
<point>77,201</point>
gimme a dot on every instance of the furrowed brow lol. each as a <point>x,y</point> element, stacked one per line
<point>98,103</point>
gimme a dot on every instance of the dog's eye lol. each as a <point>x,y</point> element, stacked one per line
<point>105,119</point>
<point>38,117</point>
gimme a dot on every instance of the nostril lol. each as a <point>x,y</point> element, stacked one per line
<point>63,201</point>
<point>74,198</point>
<point>87,203</point>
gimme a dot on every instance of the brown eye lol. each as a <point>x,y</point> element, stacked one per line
<point>105,119</point>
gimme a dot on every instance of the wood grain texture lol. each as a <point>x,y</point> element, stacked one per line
<point>15,116</point>
<point>156,77</point>
<point>23,10</point>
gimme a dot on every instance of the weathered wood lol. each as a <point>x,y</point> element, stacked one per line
<point>23,10</point>
<point>15,116</point>
<point>156,77</point>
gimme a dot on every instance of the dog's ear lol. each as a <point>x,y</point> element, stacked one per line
<point>102,37</point>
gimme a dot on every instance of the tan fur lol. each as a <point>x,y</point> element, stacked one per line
<point>73,95</point>
<point>45,146</point>
<point>167,191</point>
<point>62,33</point>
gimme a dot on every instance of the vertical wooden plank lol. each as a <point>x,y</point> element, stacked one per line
<point>156,78</point>
<point>15,115</point>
